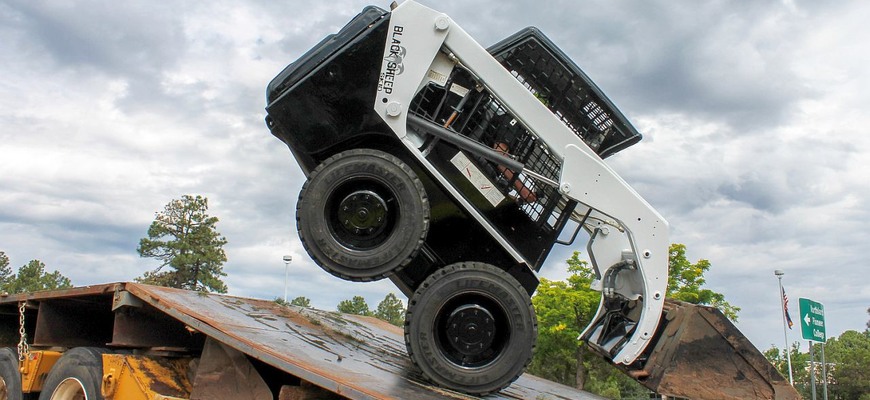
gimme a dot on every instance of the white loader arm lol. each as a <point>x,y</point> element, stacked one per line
<point>629,250</point>
<point>629,239</point>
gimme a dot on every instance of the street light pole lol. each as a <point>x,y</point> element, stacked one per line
<point>287,260</point>
<point>779,273</point>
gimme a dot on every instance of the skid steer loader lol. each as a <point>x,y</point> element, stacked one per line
<point>452,170</point>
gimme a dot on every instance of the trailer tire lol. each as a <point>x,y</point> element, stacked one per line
<point>362,215</point>
<point>10,387</point>
<point>471,327</point>
<point>78,372</point>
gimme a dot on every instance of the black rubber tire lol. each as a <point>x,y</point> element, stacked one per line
<point>82,364</point>
<point>370,184</point>
<point>10,388</point>
<point>505,345</point>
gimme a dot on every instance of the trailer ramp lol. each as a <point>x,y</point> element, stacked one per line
<point>354,356</point>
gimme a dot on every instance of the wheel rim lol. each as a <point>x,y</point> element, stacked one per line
<point>472,330</point>
<point>361,214</point>
<point>70,389</point>
<point>4,392</point>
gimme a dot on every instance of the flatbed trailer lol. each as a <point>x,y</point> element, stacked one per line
<point>163,343</point>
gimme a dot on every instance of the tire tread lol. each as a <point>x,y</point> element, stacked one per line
<point>418,185</point>
<point>449,270</point>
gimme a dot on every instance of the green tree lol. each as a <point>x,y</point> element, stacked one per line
<point>686,281</point>
<point>391,310</point>
<point>280,301</point>
<point>849,358</point>
<point>301,301</point>
<point>848,366</point>
<point>800,366</point>
<point>183,238</point>
<point>32,278</point>
<point>563,309</point>
<point>357,305</point>
<point>5,271</point>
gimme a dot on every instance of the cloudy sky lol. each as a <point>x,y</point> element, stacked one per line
<point>753,115</point>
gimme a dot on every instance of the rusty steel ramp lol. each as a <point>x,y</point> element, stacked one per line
<point>354,356</point>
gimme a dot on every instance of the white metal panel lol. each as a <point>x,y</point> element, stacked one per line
<point>421,34</point>
<point>646,236</point>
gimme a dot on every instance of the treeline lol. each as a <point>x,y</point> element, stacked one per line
<point>390,309</point>
<point>847,362</point>
<point>183,238</point>
<point>30,277</point>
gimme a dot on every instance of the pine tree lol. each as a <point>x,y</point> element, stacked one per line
<point>357,305</point>
<point>391,310</point>
<point>5,272</point>
<point>183,238</point>
<point>301,301</point>
<point>31,277</point>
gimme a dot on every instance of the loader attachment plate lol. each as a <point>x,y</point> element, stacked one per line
<point>699,354</point>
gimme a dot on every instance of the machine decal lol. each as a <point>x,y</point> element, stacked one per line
<point>477,178</point>
<point>394,64</point>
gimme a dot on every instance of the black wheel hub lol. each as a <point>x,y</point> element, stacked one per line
<point>361,217</point>
<point>363,213</point>
<point>471,329</point>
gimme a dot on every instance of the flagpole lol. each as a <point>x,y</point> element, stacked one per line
<point>779,273</point>
<point>812,370</point>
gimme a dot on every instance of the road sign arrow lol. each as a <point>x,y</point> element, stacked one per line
<point>807,319</point>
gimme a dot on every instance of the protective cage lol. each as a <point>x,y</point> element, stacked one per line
<point>485,120</point>
<point>467,107</point>
<point>566,90</point>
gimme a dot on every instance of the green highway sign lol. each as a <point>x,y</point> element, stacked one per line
<point>812,320</point>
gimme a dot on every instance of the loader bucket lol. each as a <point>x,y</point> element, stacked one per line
<point>698,353</point>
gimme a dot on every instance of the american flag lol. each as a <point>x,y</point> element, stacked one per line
<point>785,308</point>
